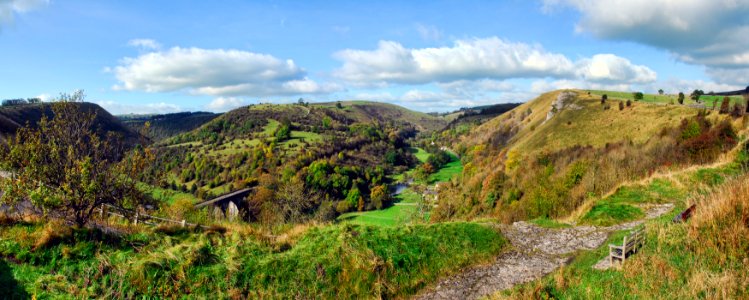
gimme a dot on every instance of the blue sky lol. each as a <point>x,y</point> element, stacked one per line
<point>168,56</point>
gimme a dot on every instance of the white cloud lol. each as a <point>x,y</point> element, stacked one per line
<point>10,8</point>
<point>145,44</point>
<point>475,59</point>
<point>543,86</point>
<point>466,60</point>
<point>117,108</point>
<point>222,104</point>
<point>710,33</point>
<point>609,68</point>
<point>428,33</point>
<point>215,72</point>
<point>44,97</point>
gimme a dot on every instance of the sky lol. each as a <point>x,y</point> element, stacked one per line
<point>434,56</point>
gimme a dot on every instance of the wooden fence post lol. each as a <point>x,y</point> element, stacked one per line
<point>184,223</point>
<point>136,218</point>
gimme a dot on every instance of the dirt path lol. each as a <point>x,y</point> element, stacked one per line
<point>535,252</point>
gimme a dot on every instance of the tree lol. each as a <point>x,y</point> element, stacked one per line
<point>283,132</point>
<point>292,200</point>
<point>696,94</point>
<point>660,92</point>
<point>68,167</point>
<point>339,105</point>
<point>379,196</point>
<point>725,106</point>
<point>604,98</point>
<point>638,96</point>
<point>681,98</point>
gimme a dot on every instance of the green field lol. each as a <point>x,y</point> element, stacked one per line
<point>707,100</point>
<point>405,210</point>
<point>420,154</point>
<point>448,172</point>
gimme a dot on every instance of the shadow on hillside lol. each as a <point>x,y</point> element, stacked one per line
<point>11,289</point>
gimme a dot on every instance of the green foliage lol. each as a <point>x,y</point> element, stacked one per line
<point>638,96</point>
<point>344,261</point>
<point>64,165</point>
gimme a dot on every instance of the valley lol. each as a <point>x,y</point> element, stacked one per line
<point>359,199</point>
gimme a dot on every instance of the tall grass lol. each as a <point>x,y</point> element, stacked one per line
<point>339,261</point>
<point>705,258</point>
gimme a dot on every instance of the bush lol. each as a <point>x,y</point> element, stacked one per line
<point>629,103</point>
<point>621,105</point>
<point>604,98</point>
<point>638,96</point>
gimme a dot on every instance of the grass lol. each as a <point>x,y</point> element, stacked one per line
<point>341,261</point>
<point>608,213</point>
<point>594,126</point>
<point>548,223</point>
<point>404,211</point>
<point>704,258</point>
<point>447,172</point>
<point>420,154</point>
<point>707,100</point>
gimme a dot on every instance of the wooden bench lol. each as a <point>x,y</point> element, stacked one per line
<point>631,244</point>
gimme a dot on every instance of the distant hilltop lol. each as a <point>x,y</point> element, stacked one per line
<point>733,93</point>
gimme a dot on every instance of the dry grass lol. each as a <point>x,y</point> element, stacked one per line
<point>54,232</point>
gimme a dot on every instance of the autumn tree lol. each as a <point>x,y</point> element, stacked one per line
<point>379,196</point>
<point>69,167</point>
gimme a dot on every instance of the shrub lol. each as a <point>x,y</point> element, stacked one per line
<point>621,105</point>
<point>638,96</point>
<point>604,98</point>
<point>681,98</point>
<point>629,103</point>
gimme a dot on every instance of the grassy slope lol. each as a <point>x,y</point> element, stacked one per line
<point>344,261</point>
<point>591,125</point>
<point>703,258</point>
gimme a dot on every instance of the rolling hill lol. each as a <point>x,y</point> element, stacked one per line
<point>167,125</point>
<point>14,117</point>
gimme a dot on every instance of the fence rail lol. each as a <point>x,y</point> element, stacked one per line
<point>140,218</point>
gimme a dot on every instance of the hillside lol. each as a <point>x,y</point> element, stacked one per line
<point>546,157</point>
<point>367,111</point>
<point>338,155</point>
<point>167,125</point>
<point>14,117</point>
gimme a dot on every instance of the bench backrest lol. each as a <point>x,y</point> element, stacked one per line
<point>634,238</point>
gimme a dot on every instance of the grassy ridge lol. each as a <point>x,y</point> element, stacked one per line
<point>343,261</point>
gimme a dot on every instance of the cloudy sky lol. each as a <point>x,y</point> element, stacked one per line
<point>168,56</point>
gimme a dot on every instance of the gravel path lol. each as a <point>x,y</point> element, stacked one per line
<point>535,252</point>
